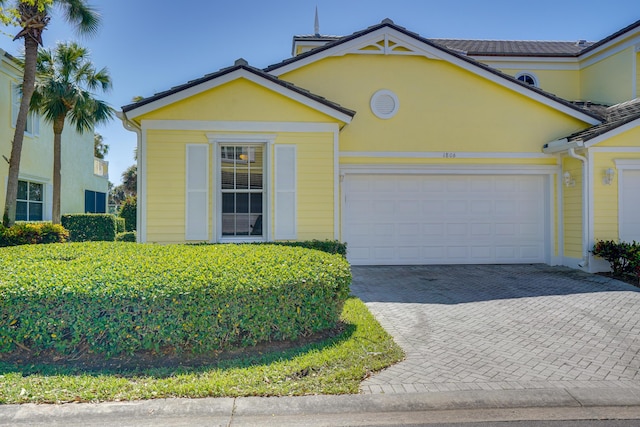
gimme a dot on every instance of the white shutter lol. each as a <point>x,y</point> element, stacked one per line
<point>47,209</point>
<point>285,192</point>
<point>197,206</point>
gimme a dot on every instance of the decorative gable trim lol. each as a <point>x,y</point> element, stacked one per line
<point>236,73</point>
<point>369,42</point>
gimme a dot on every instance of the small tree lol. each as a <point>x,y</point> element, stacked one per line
<point>100,149</point>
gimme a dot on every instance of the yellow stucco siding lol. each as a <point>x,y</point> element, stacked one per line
<point>442,107</point>
<point>605,205</point>
<point>238,100</point>
<point>610,80</point>
<point>563,83</point>
<point>572,209</point>
<point>630,138</point>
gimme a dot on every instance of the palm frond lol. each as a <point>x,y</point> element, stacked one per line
<point>84,17</point>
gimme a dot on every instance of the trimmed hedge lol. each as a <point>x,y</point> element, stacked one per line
<point>90,227</point>
<point>119,298</point>
<point>29,233</point>
<point>120,225</point>
<point>129,236</point>
<point>328,246</point>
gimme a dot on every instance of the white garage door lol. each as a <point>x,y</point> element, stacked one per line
<point>630,206</point>
<point>452,219</point>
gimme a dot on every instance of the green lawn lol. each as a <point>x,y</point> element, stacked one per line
<point>333,366</point>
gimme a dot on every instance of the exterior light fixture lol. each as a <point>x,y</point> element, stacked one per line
<point>243,157</point>
<point>607,177</point>
<point>568,179</point>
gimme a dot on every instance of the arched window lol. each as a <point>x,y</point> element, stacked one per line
<point>527,78</point>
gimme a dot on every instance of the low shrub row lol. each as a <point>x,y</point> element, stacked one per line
<point>27,233</point>
<point>623,257</point>
<point>328,246</point>
<point>91,227</point>
<point>119,298</point>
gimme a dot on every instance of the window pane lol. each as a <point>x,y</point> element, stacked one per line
<point>227,179</point>
<point>228,203</point>
<point>256,228</point>
<point>256,203</point>
<point>21,211</point>
<point>242,203</point>
<point>228,224</point>
<point>35,211</point>
<point>23,190</point>
<point>35,192</point>
<point>256,179</point>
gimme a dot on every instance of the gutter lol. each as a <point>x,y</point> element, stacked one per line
<point>133,127</point>
<point>585,207</point>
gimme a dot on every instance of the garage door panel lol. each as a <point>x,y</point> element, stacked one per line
<point>451,219</point>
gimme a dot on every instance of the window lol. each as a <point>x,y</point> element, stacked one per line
<point>528,78</point>
<point>95,202</point>
<point>30,203</point>
<point>33,122</point>
<point>242,189</point>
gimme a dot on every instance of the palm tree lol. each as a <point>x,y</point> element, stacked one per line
<point>32,17</point>
<point>63,91</point>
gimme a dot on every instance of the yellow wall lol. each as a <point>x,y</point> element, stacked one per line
<point>563,83</point>
<point>442,107</point>
<point>609,81</point>
<point>572,209</point>
<point>238,100</point>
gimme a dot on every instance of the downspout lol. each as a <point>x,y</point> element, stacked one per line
<point>133,127</point>
<point>585,207</point>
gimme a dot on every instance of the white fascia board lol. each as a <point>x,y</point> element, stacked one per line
<point>235,75</point>
<point>529,63</point>
<point>561,145</point>
<point>613,132</point>
<point>432,52</point>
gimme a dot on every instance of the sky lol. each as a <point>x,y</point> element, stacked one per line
<point>150,46</point>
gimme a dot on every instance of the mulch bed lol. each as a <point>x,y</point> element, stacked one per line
<point>627,279</point>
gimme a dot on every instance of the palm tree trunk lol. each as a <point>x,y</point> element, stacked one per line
<point>58,126</point>
<point>29,80</point>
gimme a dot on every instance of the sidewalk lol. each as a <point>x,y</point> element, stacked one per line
<point>352,410</point>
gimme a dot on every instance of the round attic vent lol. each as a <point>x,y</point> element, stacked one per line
<point>384,104</point>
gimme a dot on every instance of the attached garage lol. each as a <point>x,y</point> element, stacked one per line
<point>409,219</point>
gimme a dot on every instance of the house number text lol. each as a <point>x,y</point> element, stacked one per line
<point>449,155</point>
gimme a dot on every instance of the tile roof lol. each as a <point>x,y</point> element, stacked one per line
<point>240,64</point>
<point>614,117</point>
<point>515,47</point>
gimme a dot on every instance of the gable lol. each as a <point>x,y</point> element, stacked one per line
<point>387,39</point>
<point>441,106</point>
<point>238,100</point>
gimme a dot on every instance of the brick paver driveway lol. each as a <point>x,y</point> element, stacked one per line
<point>503,327</point>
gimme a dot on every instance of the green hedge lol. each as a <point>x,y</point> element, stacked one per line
<point>120,225</point>
<point>114,298</point>
<point>90,227</point>
<point>26,233</point>
<point>128,236</point>
<point>328,246</point>
<point>128,211</point>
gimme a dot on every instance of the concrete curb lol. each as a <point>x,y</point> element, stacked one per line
<point>312,410</point>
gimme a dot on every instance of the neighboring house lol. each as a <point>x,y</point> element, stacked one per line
<point>84,178</point>
<point>412,150</point>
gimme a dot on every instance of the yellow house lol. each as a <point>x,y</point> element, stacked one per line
<point>84,178</point>
<point>411,150</point>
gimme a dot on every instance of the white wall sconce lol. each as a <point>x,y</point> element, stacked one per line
<point>568,179</point>
<point>607,176</point>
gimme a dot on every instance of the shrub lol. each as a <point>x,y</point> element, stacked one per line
<point>90,227</point>
<point>328,246</point>
<point>128,212</point>
<point>623,257</point>
<point>119,298</point>
<point>25,233</point>
<point>120,225</point>
<point>128,236</point>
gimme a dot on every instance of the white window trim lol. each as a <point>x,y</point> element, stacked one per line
<point>188,233</point>
<point>47,190</point>
<point>33,117</point>
<point>267,141</point>
<point>279,235</point>
<point>536,82</point>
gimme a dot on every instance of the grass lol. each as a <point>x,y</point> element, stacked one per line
<point>336,365</point>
